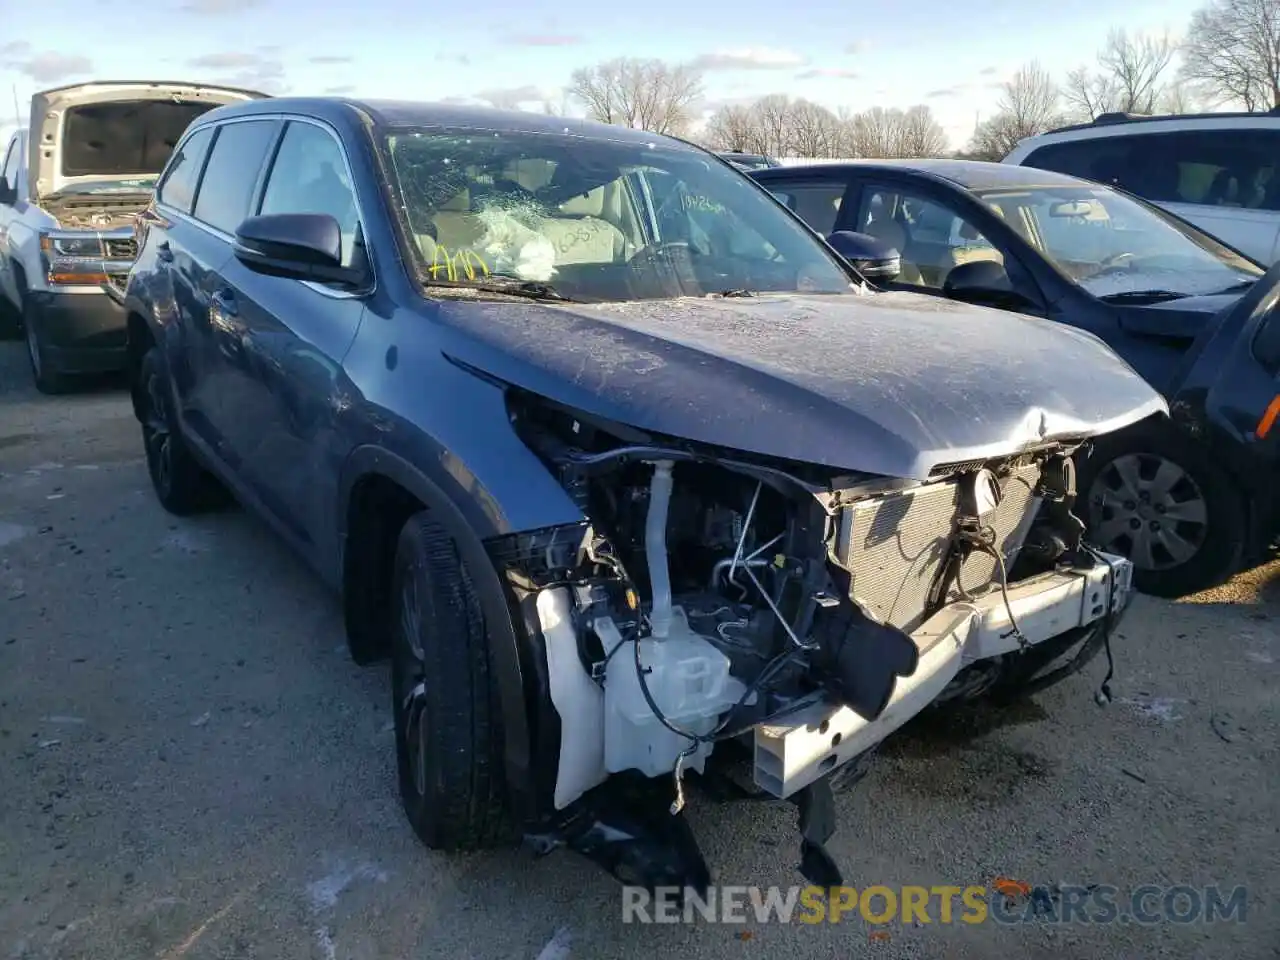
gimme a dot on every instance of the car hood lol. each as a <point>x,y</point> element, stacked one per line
<point>1183,319</point>
<point>133,141</point>
<point>893,384</point>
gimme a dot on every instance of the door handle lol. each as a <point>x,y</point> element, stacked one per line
<point>164,251</point>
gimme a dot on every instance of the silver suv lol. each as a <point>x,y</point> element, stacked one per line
<point>1217,170</point>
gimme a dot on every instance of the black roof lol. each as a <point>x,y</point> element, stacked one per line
<point>969,174</point>
<point>411,113</point>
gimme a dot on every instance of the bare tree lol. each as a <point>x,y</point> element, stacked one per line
<point>1233,51</point>
<point>1029,104</point>
<point>920,134</point>
<point>771,116</point>
<point>994,138</point>
<point>1031,100</point>
<point>814,131</point>
<point>731,127</point>
<point>556,105</point>
<point>1128,77</point>
<point>877,132</point>
<point>644,94</point>
<point>1180,97</point>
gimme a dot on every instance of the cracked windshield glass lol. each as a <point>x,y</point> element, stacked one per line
<point>597,220</point>
<point>1116,248</point>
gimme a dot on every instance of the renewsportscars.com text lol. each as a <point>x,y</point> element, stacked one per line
<point>879,905</point>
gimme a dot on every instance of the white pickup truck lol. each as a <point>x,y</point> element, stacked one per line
<point>71,184</point>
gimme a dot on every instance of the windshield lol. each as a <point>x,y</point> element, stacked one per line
<point>1112,245</point>
<point>599,220</point>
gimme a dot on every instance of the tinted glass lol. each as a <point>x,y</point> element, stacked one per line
<point>599,219</point>
<point>232,172</point>
<point>179,186</point>
<point>1111,244</point>
<point>1218,168</point>
<point>309,175</point>
<point>931,238</point>
<point>816,203</point>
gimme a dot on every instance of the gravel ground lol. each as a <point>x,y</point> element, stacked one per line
<point>190,765</point>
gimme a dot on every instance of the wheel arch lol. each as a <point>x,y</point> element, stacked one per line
<point>378,491</point>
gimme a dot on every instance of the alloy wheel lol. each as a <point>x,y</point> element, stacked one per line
<point>157,435</point>
<point>411,688</point>
<point>1149,509</point>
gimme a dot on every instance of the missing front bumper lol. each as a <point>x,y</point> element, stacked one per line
<point>820,739</point>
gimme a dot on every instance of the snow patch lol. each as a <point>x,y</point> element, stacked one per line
<point>12,533</point>
<point>557,947</point>
<point>1163,709</point>
<point>324,892</point>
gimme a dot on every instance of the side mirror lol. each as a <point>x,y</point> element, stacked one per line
<point>297,246</point>
<point>8,194</point>
<point>986,283</point>
<point>871,257</point>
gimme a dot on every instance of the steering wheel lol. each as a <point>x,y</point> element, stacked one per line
<point>669,249</point>
<point>1117,261</point>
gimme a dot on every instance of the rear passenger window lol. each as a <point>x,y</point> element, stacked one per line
<point>178,188</point>
<point>310,176</point>
<point>232,172</point>
<point>817,203</point>
<point>1217,168</point>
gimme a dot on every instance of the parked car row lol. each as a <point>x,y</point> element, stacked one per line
<point>635,478</point>
<point>71,183</point>
<point>1185,498</point>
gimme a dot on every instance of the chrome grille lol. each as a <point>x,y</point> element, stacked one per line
<point>895,544</point>
<point>118,248</point>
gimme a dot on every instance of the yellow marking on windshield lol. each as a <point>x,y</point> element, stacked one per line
<point>465,262</point>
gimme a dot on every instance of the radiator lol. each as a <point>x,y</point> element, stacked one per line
<point>895,544</point>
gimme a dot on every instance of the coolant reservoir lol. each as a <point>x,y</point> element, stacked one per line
<point>689,680</point>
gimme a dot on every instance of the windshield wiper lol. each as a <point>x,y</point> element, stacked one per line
<point>1238,285</point>
<point>1142,296</point>
<point>511,286</point>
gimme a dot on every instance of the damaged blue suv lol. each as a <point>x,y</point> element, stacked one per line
<point>633,478</point>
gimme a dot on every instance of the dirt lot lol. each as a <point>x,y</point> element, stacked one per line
<point>191,767</point>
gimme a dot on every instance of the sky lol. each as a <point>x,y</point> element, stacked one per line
<point>951,56</point>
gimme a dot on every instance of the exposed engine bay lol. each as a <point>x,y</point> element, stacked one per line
<point>95,211</point>
<point>717,606</point>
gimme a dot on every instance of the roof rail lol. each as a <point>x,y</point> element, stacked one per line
<point>1119,117</point>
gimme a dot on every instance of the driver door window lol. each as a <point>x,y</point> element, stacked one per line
<point>310,176</point>
<point>931,237</point>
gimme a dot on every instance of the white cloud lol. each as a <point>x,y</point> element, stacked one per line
<point>753,59</point>
<point>50,67</point>
<point>219,8</point>
<point>827,73</point>
<point>238,68</point>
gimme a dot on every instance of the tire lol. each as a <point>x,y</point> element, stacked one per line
<point>48,378</point>
<point>449,754</point>
<point>1130,486</point>
<point>10,320</point>
<point>182,486</point>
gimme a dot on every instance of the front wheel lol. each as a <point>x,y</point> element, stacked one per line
<point>445,703</point>
<point>48,378</point>
<point>1156,497</point>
